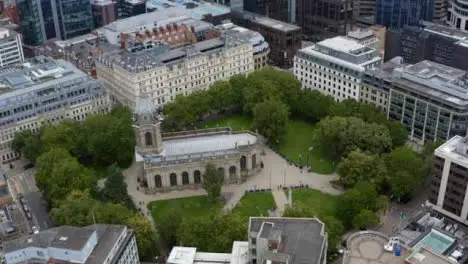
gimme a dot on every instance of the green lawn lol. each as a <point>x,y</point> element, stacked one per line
<point>255,204</point>
<point>322,204</point>
<point>190,206</point>
<point>299,137</point>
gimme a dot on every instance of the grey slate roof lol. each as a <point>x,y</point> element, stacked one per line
<point>303,239</point>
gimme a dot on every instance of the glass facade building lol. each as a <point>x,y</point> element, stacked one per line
<point>74,18</point>
<point>31,22</point>
<point>399,13</point>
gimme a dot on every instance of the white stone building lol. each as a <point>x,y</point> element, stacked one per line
<point>11,49</point>
<point>44,91</point>
<point>177,160</point>
<point>163,74</point>
<point>335,67</point>
<point>94,244</point>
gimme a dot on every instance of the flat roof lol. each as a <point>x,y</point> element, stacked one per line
<point>267,21</point>
<point>196,8</point>
<point>189,255</point>
<point>303,239</point>
<point>342,44</point>
<point>426,256</point>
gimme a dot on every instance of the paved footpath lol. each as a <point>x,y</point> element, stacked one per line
<point>276,172</point>
<point>281,201</point>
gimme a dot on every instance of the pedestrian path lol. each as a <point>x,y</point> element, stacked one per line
<point>281,200</point>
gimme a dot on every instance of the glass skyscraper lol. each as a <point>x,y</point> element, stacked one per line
<point>31,22</point>
<point>399,13</point>
<point>74,18</point>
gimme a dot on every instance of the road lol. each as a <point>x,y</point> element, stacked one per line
<point>23,182</point>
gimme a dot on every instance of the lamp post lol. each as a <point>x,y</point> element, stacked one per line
<point>308,154</point>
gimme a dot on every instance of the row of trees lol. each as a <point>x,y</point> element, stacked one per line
<point>71,157</point>
<point>99,141</point>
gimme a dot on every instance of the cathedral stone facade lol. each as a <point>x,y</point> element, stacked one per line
<point>178,160</point>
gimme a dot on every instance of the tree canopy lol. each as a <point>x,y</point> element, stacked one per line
<point>213,181</point>
<point>270,118</point>
<point>359,166</point>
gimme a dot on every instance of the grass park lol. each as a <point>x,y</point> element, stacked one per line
<point>255,204</point>
<point>322,204</point>
<point>295,147</point>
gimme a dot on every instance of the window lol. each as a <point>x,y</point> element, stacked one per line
<point>148,139</point>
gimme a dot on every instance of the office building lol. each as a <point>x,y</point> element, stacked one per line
<point>448,188</point>
<point>335,67</point>
<point>458,15</point>
<point>275,9</point>
<point>99,243</point>
<point>74,18</point>
<point>434,42</point>
<point>270,240</point>
<point>373,37</point>
<point>395,14</point>
<point>440,11</point>
<point>31,22</point>
<point>104,12</point>
<point>10,10</point>
<point>260,47</point>
<point>283,38</point>
<point>129,8</point>
<point>163,74</point>
<point>426,97</point>
<point>11,49</point>
<point>320,20</point>
<point>43,91</point>
<point>364,10</point>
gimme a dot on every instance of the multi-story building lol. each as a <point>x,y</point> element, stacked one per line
<point>31,22</point>
<point>261,49</point>
<point>270,240</point>
<point>276,9</point>
<point>448,190</point>
<point>11,49</point>
<point>283,38</point>
<point>129,8</point>
<point>364,10</point>
<point>74,18</point>
<point>373,37</point>
<point>458,11</point>
<point>43,91</point>
<point>104,12</point>
<point>440,11</point>
<point>434,42</point>
<point>426,97</point>
<point>320,19</point>
<point>163,74</point>
<point>99,243</point>
<point>399,13</point>
<point>335,67</point>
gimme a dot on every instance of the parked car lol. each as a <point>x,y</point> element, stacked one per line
<point>35,230</point>
<point>26,208</point>
<point>28,215</point>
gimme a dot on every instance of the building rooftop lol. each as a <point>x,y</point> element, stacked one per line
<point>267,22</point>
<point>159,56</point>
<point>425,256</point>
<point>258,41</point>
<point>195,8</point>
<point>434,80</point>
<point>456,149</point>
<point>302,239</point>
<point>360,34</point>
<point>102,2</point>
<point>189,255</point>
<point>343,51</point>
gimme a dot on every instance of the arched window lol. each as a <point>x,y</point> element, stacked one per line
<point>243,163</point>
<point>148,139</point>
<point>157,181</point>
<point>254,161</point>
<point>232,173</point>
<point>185,178</point>
<point>173,179</point>
<point>197,176</point>
<point>221,171</point>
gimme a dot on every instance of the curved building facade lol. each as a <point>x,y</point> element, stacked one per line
<point>459,15</point>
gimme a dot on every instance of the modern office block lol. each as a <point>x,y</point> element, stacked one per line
<point>31,22</point>
<point>11,49</point>
<point>448,189</point>
<point>335,67</point>
<point>396,14</point>
<point>104,12</point>
<point>44,91</point>
<point>434,42</point>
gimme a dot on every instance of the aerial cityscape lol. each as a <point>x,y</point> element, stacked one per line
<point>234,131</point>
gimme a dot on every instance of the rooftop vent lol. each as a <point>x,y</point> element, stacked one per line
<point>63,238</point>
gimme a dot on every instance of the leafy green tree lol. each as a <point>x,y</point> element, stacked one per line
<point>270,118</point>
<point>212,233</point>
<point>257,91</point>
<point>365,219</point>
<point>362,196</point>
<point>168,227</point>
<point>221,95</point>
<point>428,156</point>
<point>406,172</point>
<point>58,173</point>
<point>75,209</point>
<point>145,235</point>
<point>19,142</point>
<point>115,189</point>
<point>109,140</point>
<point>359,166</point>
<point>338,136</point>
<point>398,133</point>
<point>29,145</point>
<point>238,83</point>
<point>313,105</point>
<point>212,182</point>
<point>68,135</point>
